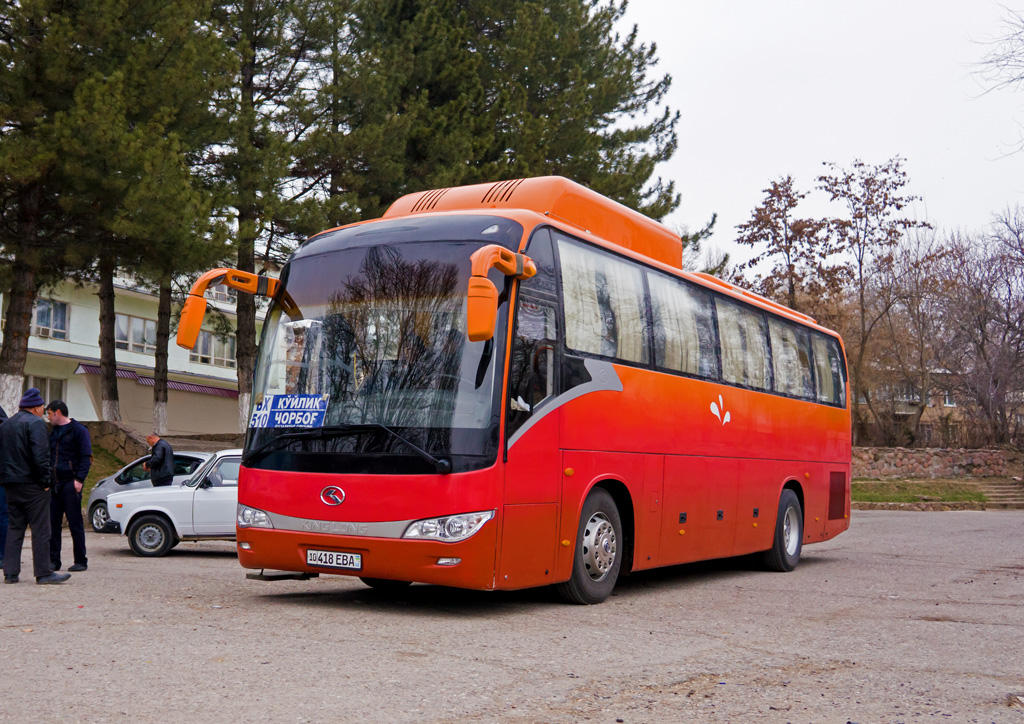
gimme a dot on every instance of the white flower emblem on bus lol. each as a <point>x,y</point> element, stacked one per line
<point>715,407</point>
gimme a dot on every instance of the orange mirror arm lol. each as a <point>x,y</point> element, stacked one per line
<point>507,262</point>
<point>195,304</point>
<point>482,295</point>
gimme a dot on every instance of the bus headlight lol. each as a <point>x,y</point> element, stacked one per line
<point>450,529</point>
<point>252,518</point>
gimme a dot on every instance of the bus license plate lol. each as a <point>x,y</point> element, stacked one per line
<point>333,559</point>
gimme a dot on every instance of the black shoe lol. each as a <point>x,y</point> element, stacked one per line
<point>10,579</point>
<point>56,565</point>
<point>53,578</point>
<point>78,568</point>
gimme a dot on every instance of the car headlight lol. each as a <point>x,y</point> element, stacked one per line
<point>449,529</point>
<point>252,518</point>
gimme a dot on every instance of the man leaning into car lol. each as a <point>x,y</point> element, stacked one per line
<point>25,472</point>
<point>70,460</point>
<point>161,463</point>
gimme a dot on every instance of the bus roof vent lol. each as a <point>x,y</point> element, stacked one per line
<point>428,200</point>
<point>501,191</point>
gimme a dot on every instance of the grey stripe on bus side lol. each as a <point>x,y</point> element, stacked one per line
<point>603,377</point>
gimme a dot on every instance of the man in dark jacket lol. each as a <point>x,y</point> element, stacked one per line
<point>70,460</point>
<point>25,472</point>
<point>161,462</point>
<point>3,506</point>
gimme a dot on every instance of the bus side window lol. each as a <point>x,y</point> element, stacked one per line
<point>828,367</point>
<point>535,344</point>
<point>791,358</point>
<point>745,358</point>
<point>684,328</point>
<point>604,303</point>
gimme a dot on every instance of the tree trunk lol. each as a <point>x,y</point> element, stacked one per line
<point>17,328</point>
<point>163,334</point>
<point>108,361</point>
<point>18,323</point>
<point>245,333</point>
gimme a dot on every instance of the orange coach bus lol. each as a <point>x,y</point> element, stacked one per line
<point>516,384</point>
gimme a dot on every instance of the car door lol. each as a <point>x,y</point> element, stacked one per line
<point>215,500</point>
<point>135,476</point>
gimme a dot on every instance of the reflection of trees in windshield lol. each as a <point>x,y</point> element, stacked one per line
<point>389,346</point>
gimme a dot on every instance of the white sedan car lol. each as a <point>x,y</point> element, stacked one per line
<point>201,508</point>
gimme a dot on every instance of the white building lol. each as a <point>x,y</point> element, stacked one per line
<point>64,357</point>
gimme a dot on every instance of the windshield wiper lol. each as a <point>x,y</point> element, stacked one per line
<point>441,465</point>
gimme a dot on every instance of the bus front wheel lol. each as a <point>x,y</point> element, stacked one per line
<point>598,556</point>
<point>789,535</point>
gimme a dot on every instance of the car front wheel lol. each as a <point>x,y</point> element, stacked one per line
<point>150,536</point>
<point>99,517</point>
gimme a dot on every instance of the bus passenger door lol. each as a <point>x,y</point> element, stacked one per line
<point>532,451</point>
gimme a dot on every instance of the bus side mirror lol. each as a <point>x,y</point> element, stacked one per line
<point>194,309</point>
<point>191,321</point>
<point>481,309</point>
<point>482,295</point>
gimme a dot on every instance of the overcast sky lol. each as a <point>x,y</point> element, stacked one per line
<point>774,88</point>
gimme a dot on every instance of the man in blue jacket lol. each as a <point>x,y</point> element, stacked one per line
<point>25,473</point>
<point>3,505</point>
<point>70,460</point>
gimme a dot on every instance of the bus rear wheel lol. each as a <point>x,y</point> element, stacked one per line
<point>385,584</point>
<point>789,535</point>
<point>598,556</point>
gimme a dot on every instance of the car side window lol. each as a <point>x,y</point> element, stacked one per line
<point>136,473</point>
<point>225,473</point>
<point>185,464</point>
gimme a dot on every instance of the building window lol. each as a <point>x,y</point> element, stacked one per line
<point>50,319</point>
<point>212,349</point>
<point>50,388</point>
<point>221,293</point>
<point>947,400</point>
<point>135,334</point>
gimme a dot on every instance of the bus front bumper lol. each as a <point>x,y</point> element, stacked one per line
<point>421,561</point>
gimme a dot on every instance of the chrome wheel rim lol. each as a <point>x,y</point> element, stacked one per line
<point>99,516</point>
<point>599,546</point>
<point>791,531</point>
<point>150,537</point>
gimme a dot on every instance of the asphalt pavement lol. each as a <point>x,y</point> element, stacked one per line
<point>907,617</point>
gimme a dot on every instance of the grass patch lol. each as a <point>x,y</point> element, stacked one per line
<point>103,464</point>
<point>904,491</point>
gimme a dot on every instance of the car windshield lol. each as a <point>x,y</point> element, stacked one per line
<point>377,356</point>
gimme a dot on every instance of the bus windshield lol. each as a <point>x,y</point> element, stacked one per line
<point>376,363</point>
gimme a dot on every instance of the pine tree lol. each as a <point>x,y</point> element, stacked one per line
<point>568,95</point>
<point>274,45</point>
<point>426,94</point>
<point>125,149</point>
<point>35,84</point>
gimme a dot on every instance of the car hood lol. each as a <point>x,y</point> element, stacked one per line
<point>153,496</point>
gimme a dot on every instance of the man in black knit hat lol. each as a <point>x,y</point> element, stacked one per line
<point>25,473</point>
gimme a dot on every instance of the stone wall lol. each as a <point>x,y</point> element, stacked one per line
<point>901,462</point>
<point>119,440</point>
<point>127,444</point>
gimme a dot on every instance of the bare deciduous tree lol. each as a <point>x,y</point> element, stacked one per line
<point>983,325</point>
<point>796,246</point>
<point>875,199</point>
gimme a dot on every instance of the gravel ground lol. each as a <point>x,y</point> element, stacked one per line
<point>907,617</point>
